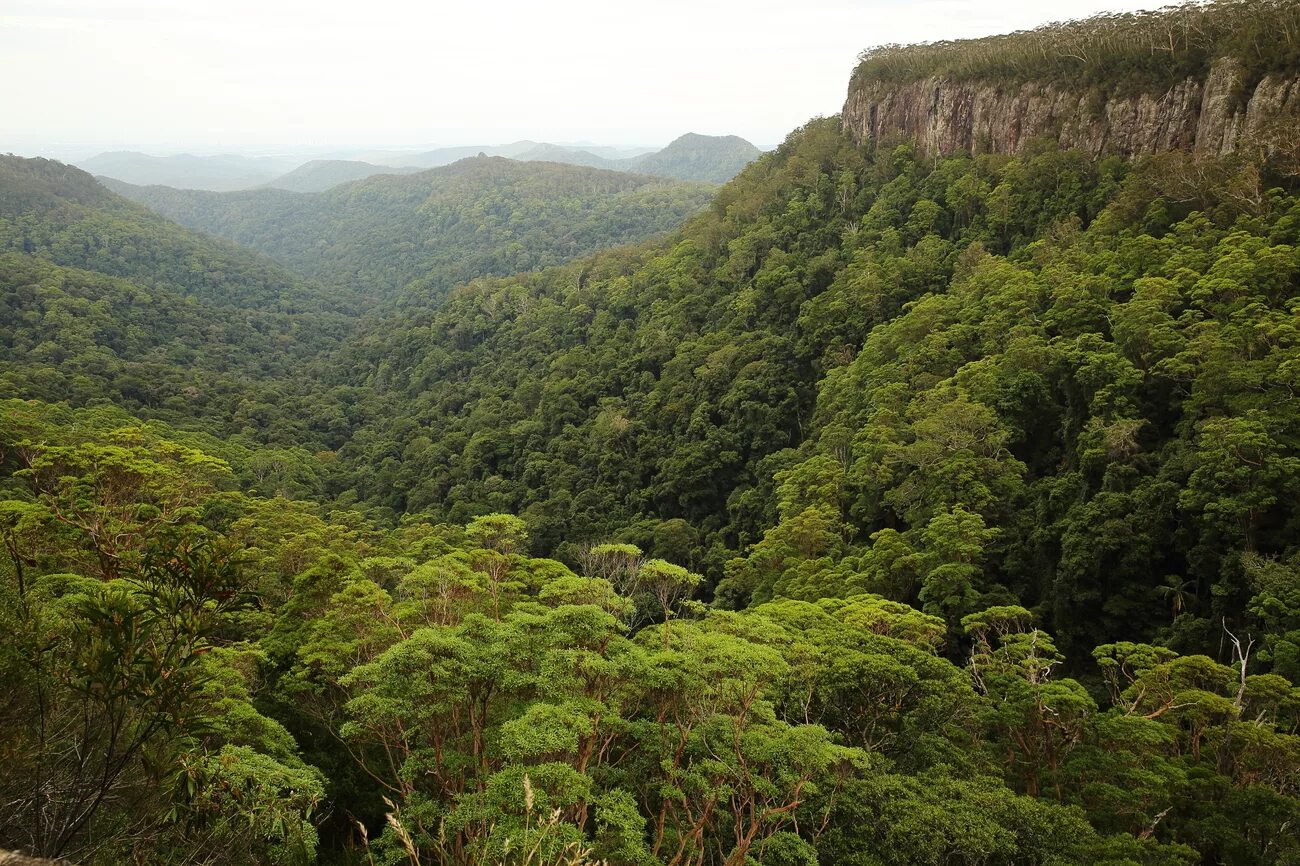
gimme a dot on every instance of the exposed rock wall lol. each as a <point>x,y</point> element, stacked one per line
<point>1215,115</point>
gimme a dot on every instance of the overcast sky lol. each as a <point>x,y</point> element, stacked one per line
<point>270,75</point>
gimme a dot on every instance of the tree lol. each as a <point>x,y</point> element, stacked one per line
<point>113,698</point>
<point>119,496</point>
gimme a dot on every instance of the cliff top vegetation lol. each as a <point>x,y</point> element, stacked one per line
<point>1120,51</point>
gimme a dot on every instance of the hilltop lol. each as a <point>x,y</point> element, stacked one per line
<point>714,158</point>
<point>707,158</point>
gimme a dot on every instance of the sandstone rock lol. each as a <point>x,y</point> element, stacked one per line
<point>1217,115</point>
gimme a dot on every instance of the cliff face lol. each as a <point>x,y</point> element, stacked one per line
<point>1217,115</point>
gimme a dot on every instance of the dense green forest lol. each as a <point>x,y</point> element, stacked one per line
<point>891,511</point>
<point>438,228</point>
<point>104,300</point>
<point>846,350</point>
<point>267,681</point>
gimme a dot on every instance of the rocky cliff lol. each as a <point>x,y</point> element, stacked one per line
<point>1217,114</point>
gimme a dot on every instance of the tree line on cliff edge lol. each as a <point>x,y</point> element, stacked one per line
<point>1147,51</point>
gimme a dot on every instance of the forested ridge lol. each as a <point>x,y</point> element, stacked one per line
<point>424,233</point>
<point>104,300</point>
<point>892,510</point>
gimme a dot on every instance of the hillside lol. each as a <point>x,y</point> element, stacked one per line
<point>1048,387</point>
<point>440,227</point>
<point>185,171</point>
<point>103,299</point>
<point>899,507</point>
<point>703,378</point>
<point>712,158</point>
<point>319,175</point>
<point>59,213</point>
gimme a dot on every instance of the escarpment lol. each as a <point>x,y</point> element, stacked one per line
<point>1219,113</point>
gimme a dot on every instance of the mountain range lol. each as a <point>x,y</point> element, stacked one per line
<point>438,227</point>
<point>714,159</point>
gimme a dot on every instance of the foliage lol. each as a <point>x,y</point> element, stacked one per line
<point>465,703</point>
<point>891,511</point>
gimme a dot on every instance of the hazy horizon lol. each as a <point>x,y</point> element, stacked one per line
<point>311,80</point>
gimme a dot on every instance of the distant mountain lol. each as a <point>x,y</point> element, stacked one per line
<point>567,155</point>
<point>441,227</point>
<point>513,150</point>
<point>447,155</point>
<point>322,174</point>
<point>712,158</point>
<point>609,152</point>
<point>185,171</point>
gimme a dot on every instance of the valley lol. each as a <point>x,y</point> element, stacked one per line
<point>920,491</point>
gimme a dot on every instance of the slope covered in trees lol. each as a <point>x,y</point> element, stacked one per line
<point>281,676</point>
<point>104,299</point>
<point>438,228</point>
<point>895,510</point>
<point>963,383</point>
<point>61,214</point>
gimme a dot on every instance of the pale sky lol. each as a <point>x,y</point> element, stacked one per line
<point>165,76</point>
